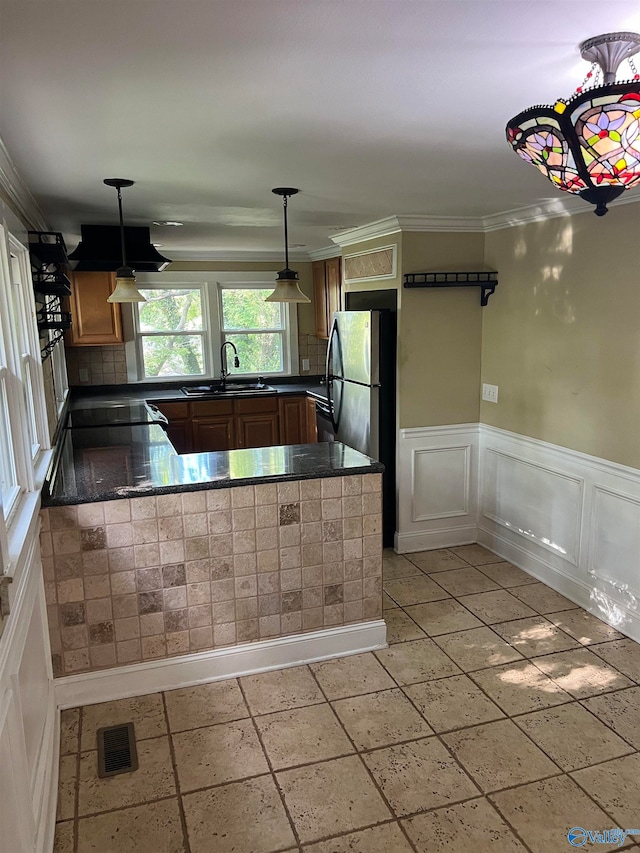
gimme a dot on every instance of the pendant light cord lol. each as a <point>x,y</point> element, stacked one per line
<point>286,234</point>
<point>124,256</point>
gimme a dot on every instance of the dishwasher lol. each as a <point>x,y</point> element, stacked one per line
<point>324,421</point>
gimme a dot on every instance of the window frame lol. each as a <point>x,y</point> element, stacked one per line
<point>282,330</point>
<point>211,284</point>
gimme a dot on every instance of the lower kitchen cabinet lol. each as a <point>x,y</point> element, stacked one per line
<point>209,434</point>
<point>179,428</point>
<point>311,432</point>
<point>257,422</point>
<point>293,420</point>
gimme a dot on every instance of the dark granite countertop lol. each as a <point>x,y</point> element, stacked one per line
<point>99,464</point>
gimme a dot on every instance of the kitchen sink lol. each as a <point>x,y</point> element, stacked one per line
<point>236,388</point>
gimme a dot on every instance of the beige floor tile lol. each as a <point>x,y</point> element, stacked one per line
<point>586,628</point>
<point>420,660</point>
<point>218,754</point>
<point>581,673</point>
<point>152,780</point>
<point>419,775</point>
<point>331,798</point>
<point>380,719</point>
<point>535,636</point>
<point>145,712</point>
<point>281,690</point>
<point>437,561</point>
<point>205,705</point>
<point>498,606</point>
<point>506,574</point>
<point>498,755</point>
<point>63,841</point>
<point>475,554</point>
<point>473,825</point>
<point>520,687</point>
<point>67,787</point>
<point>351,676</point>
<point>543,813</point>
<point>401,627</point>
<point>396,566</point>
<point>614,786</point>
<point>387,602</point>
<point>542,598</point>
<point>302,736</point>
<point>477,648</point>
<point>386,838</point>
<point>152,828</point>
<point>453,703</point>
<point>621,711</point>
<point>443,617</point>
<point>69,731</point>
<point>624,655</point>
<point>464,581</point>
<point>572,737</point>
<point>414,590</point>
<point>224,819</point>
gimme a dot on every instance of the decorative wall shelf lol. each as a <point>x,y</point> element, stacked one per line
<point>48,263</point>
<point>486,280</point>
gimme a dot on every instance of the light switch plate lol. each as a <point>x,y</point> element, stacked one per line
<point>490,393</point>
<point>305,364</point>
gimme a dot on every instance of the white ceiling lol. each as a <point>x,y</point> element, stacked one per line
<point>371,107</point>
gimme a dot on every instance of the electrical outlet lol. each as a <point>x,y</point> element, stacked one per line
<point>490,393</point>
<point>305,364</point>
<point>83,374</point>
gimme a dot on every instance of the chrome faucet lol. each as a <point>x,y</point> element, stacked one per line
<point>223,360</point>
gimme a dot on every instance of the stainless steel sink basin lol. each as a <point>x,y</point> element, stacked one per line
<point>231,388</point>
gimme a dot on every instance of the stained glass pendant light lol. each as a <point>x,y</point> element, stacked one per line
<point>589,145</point>
<point>125,289</point>
<point>287,288</point>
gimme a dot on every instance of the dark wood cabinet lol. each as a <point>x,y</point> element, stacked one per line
<point>327,293</point>
<point>293,420</point>
<point>311,434</point>
<point>211,434</point>
<point>95,322</point>
<point>257,422</point>
<point>179,428</point>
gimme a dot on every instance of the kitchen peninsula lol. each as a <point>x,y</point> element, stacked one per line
<point>150,554</point>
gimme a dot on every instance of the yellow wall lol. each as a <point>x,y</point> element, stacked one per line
<point>440,333</point>
<point>306,322</point>
<point>561,335</point>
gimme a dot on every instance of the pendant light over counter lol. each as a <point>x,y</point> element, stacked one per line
<point>125,290</point>
<point>589,145</point>
<point>287,287</point>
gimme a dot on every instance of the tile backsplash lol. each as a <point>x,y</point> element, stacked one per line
<point>107,365</point>
<point>96,365</point>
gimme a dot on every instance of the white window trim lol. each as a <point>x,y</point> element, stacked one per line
<point>211,282</point>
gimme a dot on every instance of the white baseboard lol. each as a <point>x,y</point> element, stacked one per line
<point>408,543</point>
<point>48,767</point>
<point>189,670</point>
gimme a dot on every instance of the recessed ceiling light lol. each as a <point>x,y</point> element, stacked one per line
<point>297,245</point>
<point>157,245</point>
<point>171,222</point>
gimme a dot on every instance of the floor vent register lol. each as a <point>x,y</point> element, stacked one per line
<point>117,751</point>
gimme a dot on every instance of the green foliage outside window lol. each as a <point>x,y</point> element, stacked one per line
<point>244,315</point>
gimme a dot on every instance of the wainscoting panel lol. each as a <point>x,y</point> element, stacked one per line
<point>437,486</point>
<point>569,519</point>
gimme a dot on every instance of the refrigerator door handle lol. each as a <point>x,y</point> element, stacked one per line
<point>332,333</point>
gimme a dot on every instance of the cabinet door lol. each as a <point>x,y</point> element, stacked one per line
<point>258,430</point>
<point>96,322</point>
<point>311,425</point>
<point>179,434</point>
<point>333,278</point>
<point>320,299</point>
<point>209,434</point>
<point>292,420</point>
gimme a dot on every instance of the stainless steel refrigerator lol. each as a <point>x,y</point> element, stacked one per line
<point>361,367</point>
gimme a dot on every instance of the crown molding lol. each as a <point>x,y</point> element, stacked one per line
<point>395,224</point>
<point>237,256</point>
<point>552,209</point>
<point>18,195</point>
<point>324,253</point>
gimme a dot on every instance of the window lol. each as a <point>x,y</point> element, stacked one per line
<point>172,332</point>
<point>255,327</point>
<point>188,316</point>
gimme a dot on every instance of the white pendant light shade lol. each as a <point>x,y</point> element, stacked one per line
<point>287,288</point>
<point>126,290</point>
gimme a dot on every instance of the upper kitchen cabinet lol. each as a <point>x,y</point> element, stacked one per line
<point>327,291</point>
<point>96,322</point>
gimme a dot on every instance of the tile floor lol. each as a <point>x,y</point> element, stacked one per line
<point>499,717</point>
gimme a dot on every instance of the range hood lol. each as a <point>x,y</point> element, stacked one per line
<point>100,250</point>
